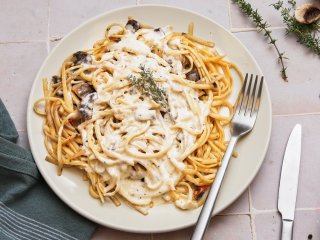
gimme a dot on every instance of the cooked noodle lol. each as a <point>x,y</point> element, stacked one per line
<point>130,147</point>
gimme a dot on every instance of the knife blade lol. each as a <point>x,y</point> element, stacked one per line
<point>289,182</point>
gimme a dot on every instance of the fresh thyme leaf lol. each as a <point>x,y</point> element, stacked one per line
<point>149,87</point>
<point>263,26</point>
<point>305,33</point>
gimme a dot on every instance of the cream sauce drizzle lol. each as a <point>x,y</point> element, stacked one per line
<point>160,175</point>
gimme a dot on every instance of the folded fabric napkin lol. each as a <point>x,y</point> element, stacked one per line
<point>28,208</point>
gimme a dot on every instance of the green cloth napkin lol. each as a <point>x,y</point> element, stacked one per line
<point>28,208</point>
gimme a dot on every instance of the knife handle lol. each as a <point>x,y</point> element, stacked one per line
<point>287,229</point>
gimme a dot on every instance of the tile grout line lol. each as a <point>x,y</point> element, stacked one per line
<point>257,211</point>
<point>307,209</point>
<point>237,30</point>
<point>48,28</point>
<point>234,214</point>
<point>22,130</point>
<point>22,41</point>
<point>251,214</point>
<point>296,114</point>
<point>229,13</point>
<point>54,39</point>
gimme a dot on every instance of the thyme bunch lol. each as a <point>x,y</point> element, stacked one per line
<point>305,33</point>
<point>263,26</point>
<point>149,87</point>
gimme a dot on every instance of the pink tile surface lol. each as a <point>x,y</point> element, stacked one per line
<point>235,227</point>
<point>301,93</point>
<point>265,187</point>
<point>25,20</point>
<point>24,30</point>
<point>66,15</point>
<point>240,206</point>
<point>110,234</point>
<point>306,225</point>
<point>23,140</point>
<point>217,10</point>
<point>268,13</point>
<point>53,43</point>
<point>19,64</point>
<point>267,226</point>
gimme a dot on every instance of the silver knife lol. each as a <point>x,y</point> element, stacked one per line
<point>289,182</point>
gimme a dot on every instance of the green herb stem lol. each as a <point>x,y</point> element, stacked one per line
<point>263,26</point>
<point>149,87</point>
<point>305,33</point>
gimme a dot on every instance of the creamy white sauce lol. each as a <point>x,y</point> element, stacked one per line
<point>186,204</point>
<point>157,175</point>
<point>130,44</point>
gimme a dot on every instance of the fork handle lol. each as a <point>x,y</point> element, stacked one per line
<point>206,212</point>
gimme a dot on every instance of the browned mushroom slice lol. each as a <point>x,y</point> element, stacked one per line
<point>59,93</point>
<point>132,25</point>
<point>307,13</point>
<point>193,75</point>
<point>55,79</point>
<point>81,57</point>
<point>76,120</point>
<point>82,89</point>
<point>138,172</point>
<point>86,105</point>
<point>114,38</point>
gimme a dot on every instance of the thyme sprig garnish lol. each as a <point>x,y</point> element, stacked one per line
<point>305,33</point>
<point>147,84</point>
<point>263,26</point>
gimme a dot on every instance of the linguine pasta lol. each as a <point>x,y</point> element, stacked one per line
<point>139,114</point>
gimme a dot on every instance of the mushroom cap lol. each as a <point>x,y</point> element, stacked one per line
<point>307,13</point>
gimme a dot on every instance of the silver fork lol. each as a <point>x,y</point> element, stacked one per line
<point>242,123</point>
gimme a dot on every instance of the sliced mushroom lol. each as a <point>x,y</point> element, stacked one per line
<point>86,105</point>
<point>56,79</point>
<point>81,57</point>
<point>185,63</point>
<point>133,25</point>
<point>307,13</point>
<point>138,172</point>
<point>76,120</point>
<point>114,38</point>
<point>82,89</point>
<point>59,93</point>
<point>193,75</point>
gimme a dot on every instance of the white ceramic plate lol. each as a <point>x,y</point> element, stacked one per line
<point>70,187</point>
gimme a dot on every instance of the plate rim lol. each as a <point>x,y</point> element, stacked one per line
<point>65,199</point>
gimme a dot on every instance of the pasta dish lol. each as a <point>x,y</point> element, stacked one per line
<point>140,115</point>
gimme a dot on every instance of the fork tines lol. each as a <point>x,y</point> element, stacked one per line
<point>249,98</point>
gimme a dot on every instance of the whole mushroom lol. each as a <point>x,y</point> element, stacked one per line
<point>307,13</point>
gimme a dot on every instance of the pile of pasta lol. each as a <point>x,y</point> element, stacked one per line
<point>123,140</point>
